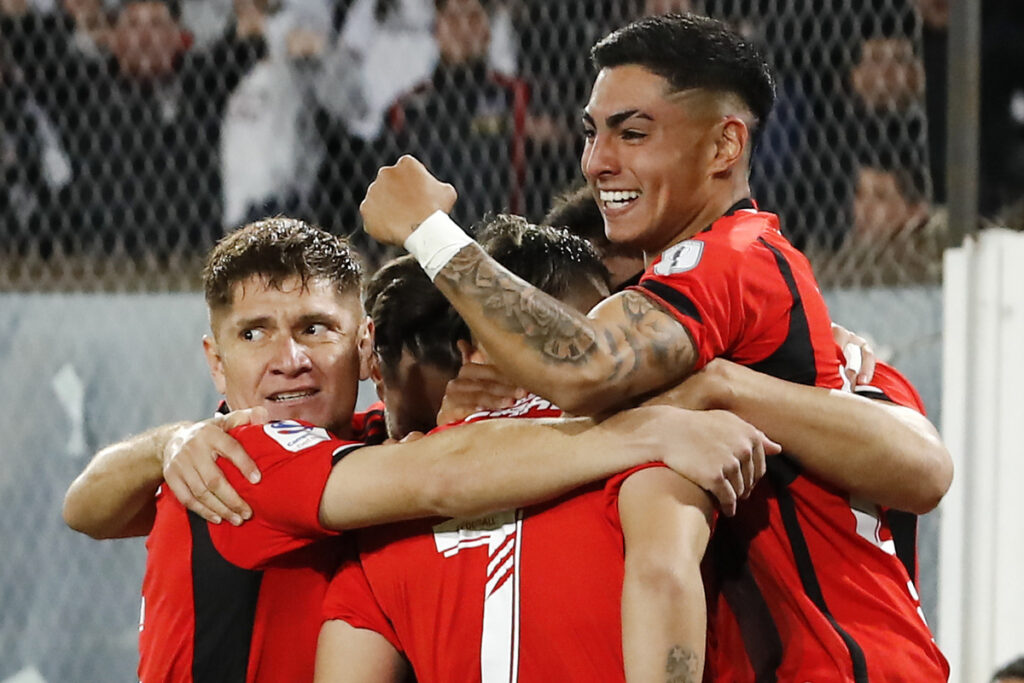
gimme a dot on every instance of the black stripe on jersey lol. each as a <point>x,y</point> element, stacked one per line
<point>794,359</point>
<point>760,634</point>
<point>673,297</point>
<point>342,451</point>
<point>903,526</point>
<point>225,608</point>
<point>781,476</point>
<point>375,430</point>
<point>868,391</point>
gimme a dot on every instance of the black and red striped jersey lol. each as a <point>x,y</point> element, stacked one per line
<point>890,385</point>
<point>802,585</point>
<point>241,604</point>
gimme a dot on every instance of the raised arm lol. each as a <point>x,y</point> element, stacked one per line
<point>883,452</point>
<point>499,464</point>
<point>114,496</point>
<point>628,346</point>
<point>666,523</point>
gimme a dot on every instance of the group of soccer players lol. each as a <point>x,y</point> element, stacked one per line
<point>550,547</point>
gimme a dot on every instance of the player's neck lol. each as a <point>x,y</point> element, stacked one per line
<point>711,212</point>
<point>343,429</point>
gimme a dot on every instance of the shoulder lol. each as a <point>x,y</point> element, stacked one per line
<point>741,230</point>
<point>724,244</point>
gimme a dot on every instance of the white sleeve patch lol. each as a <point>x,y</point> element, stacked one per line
<point>295,437</point>
<point>680,258</point>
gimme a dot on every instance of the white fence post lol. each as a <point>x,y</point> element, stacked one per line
<point>981,567</point>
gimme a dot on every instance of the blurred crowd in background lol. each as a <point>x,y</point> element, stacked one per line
<point>143,129</point>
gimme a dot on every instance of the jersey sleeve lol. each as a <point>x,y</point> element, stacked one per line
<point>614,485</point>
<point>612,488</point>
<point>889,384</point>
<point>726,289</point>
<point>295,462</point>
<point>350,599</point>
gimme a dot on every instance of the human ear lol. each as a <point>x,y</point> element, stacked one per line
<point>213,359</point>
<point>364,347</point>
<point>377,375</point>
<point>730,144</point>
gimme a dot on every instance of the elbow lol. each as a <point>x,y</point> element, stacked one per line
<point>938,480</point>
<point>930,482</point>
<point>673,583</point>
<point>76,516</point>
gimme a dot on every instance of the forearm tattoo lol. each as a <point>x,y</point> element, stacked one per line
<point>682,666</point>
<point>647,337</point>
<point>653,334</point>
<point>560,335</point>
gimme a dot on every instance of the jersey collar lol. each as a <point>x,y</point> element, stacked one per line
<point>747,203</point>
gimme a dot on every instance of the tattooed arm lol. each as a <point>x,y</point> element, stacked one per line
<point>626,347</point>
<point>666,522</point>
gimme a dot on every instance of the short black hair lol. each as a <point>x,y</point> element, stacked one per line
<point>410,313</point>
<point>693,51</point>
<point>551,259</point>
<point>1014,669</point>
<point>577,211</point>
<point>277,249</point>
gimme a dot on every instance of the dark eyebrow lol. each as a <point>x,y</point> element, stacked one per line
<point>617,119</point>
<point>317,318</point>
<point>249,323</point>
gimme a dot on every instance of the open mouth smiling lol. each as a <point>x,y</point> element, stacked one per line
<point>617,199</point>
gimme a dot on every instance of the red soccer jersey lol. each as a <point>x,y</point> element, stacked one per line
<point>744,293</point>
<point>524,595</point>
<point>889,385</point>
<point>837,605</point>
<point>242,604</point>
<point>796,590</point>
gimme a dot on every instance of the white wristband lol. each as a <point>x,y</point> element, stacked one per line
<point>435,242</point>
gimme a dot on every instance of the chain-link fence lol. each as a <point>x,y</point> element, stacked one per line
<point>135,132</point>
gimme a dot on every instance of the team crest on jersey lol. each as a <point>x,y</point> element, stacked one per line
<point>294,436</point>
<point>680,258</point>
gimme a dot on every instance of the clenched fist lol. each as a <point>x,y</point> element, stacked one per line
<point>402,197</point>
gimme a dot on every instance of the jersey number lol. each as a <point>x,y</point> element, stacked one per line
<point>501,533</point>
